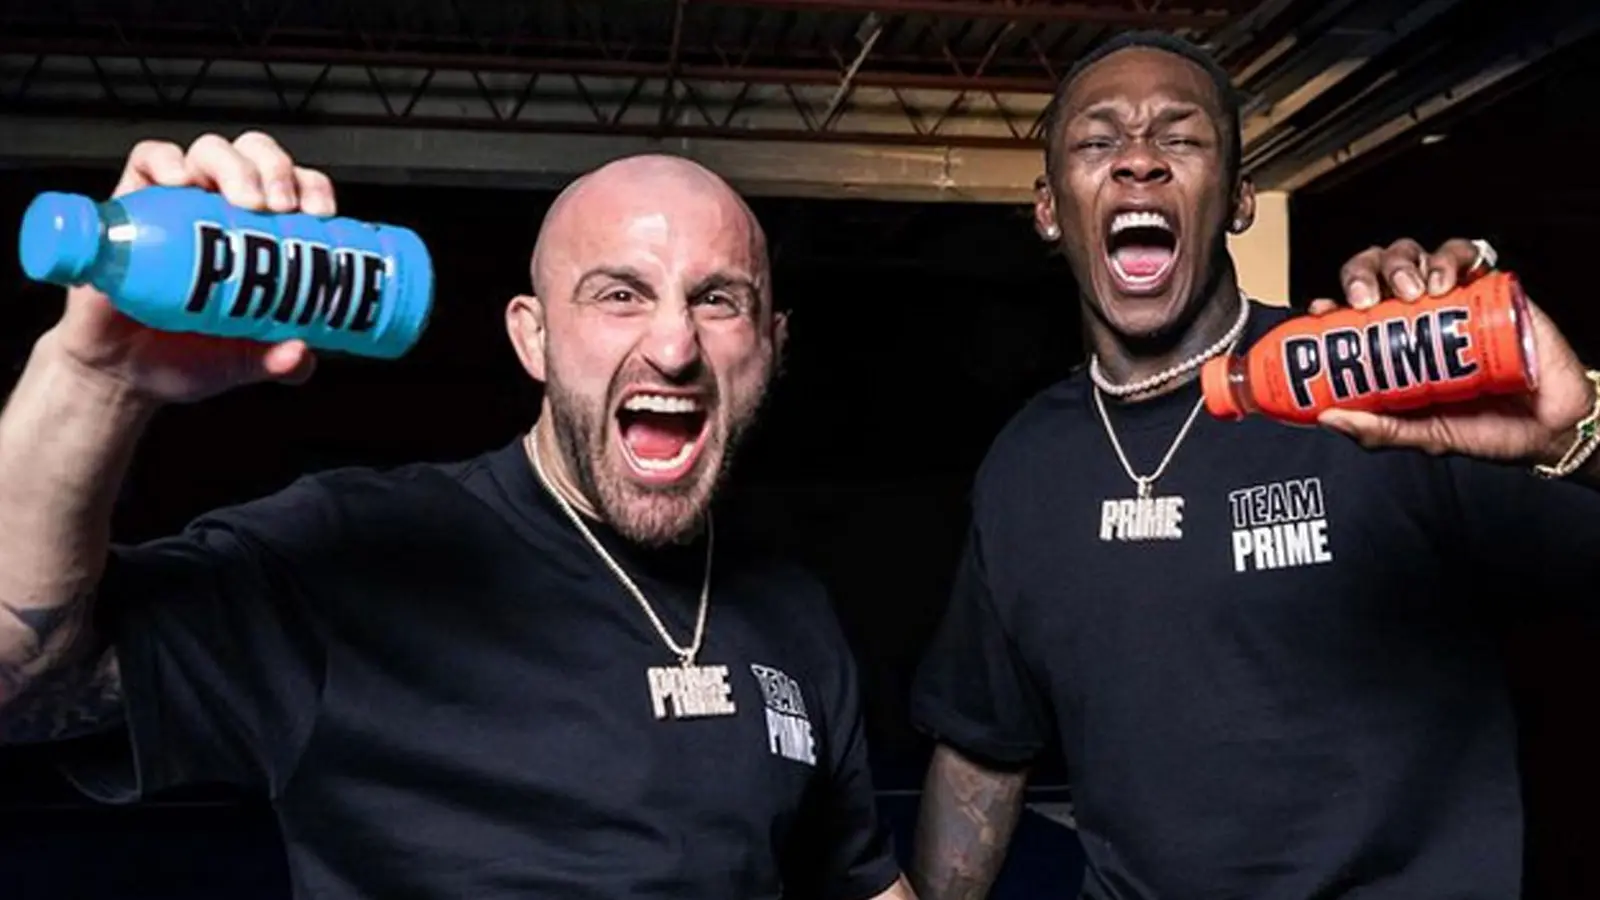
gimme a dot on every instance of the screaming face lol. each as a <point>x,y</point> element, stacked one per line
<point>656,344</point>
<point>1140,189</point>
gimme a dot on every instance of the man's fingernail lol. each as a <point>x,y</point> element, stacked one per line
<point>1436,282</point>
<point>1408,285</point>
<point>1360,295</point>
<point>280,195</point>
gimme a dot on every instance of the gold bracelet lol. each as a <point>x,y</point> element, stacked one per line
<point>1587,442</point>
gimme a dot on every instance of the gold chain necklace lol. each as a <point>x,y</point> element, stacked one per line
<point>685,655</point>
<point>684,691</point>
<point>1145,517</point>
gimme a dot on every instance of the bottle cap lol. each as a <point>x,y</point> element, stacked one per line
<point>1217,391</point>
<point>60,238</point>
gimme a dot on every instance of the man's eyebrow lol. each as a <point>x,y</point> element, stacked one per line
<point>625,274</point>
<point>1107,111</point>
<point>1178,113</point>
<point>1101,112</point>
<point>726,281</point>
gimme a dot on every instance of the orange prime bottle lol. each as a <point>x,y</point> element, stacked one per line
<point>1393,356</point>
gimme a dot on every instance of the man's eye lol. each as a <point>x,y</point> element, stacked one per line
<point>719,303</point>
<point>1095,143</point>
<point>619,295</point>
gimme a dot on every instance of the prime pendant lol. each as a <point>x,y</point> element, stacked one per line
<point>1144,518</point>
<point>688,691</point>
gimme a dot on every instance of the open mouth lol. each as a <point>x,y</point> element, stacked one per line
<point>1141,248</point>
<point>662,434</point>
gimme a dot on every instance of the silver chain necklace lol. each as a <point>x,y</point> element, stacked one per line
<point>1143,482</point>
<point>1146,517</point>
<point>685,655</point>
<point>1145,385</point>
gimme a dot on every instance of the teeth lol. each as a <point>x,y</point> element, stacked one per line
<point>1139,220</point>
<point>659,403</point>
<point>663,465</point>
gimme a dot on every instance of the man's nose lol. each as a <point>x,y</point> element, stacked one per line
<point>1140,163</point>
<point>672,343</point>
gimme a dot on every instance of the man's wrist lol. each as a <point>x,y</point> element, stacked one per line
<point>74,383</point>
<point>1574,451</point>
<point>1589,472</point>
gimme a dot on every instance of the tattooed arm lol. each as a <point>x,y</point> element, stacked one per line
<point>69,698</point>
<point>58,682</point>
<point>66,438</point>
<point>964,827</point>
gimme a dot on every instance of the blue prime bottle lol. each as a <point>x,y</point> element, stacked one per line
<point>184,259</point>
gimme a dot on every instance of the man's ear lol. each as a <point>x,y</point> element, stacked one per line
<point>780,342</point>
<point>1244,206</point>
<point>780,333</point>
<point>1044,210</point>
<point>525,326</point>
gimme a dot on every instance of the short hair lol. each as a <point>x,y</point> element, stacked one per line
<point>1227,96</point>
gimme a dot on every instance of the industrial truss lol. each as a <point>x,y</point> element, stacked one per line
<point>942,98</point>
<point>900,72</point>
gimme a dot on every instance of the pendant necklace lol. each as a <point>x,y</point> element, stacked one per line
<point>684,691</point>
<point>1145,516</point>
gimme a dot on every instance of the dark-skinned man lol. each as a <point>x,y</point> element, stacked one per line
<point>1233,725</point>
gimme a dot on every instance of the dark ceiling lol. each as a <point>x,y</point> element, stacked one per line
<point>1326,81</point>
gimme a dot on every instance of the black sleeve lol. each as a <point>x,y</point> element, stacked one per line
<point>973,691</point>
<point>842,848</point>
<point>220,662</point>
<point>1538,538</point>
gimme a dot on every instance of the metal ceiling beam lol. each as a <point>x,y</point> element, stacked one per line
<point>250,118</point>
<point>252,94</point>
<point>872,27</point>
<point>1024,11</point>
<point>1239,34</point>
<point>216,35</point>
<point>1292,35</point>
<point>1295,172</point>
<point>669,94</point>
<point>450,156</point>
<point>590,66</point>
<point>1348,61</point>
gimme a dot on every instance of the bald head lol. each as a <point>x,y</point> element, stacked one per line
<point>648,186</point>
<point>652,327</point>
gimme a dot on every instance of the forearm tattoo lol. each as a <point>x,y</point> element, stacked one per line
<point>59,684</point>
<point>967,817</point>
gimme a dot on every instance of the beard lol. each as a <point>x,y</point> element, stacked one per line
<point>652,516</point>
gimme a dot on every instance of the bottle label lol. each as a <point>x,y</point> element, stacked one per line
<point>1394,353</point>
<point>289,279</point>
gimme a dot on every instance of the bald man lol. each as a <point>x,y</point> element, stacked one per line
<point>541,672</point>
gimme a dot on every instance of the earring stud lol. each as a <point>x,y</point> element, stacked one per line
<point>1052,232</point>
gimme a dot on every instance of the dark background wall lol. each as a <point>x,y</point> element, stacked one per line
<point>918,330</point>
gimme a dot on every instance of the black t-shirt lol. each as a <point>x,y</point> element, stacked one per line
<point>1302,696</point>
<point>444,692</point>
